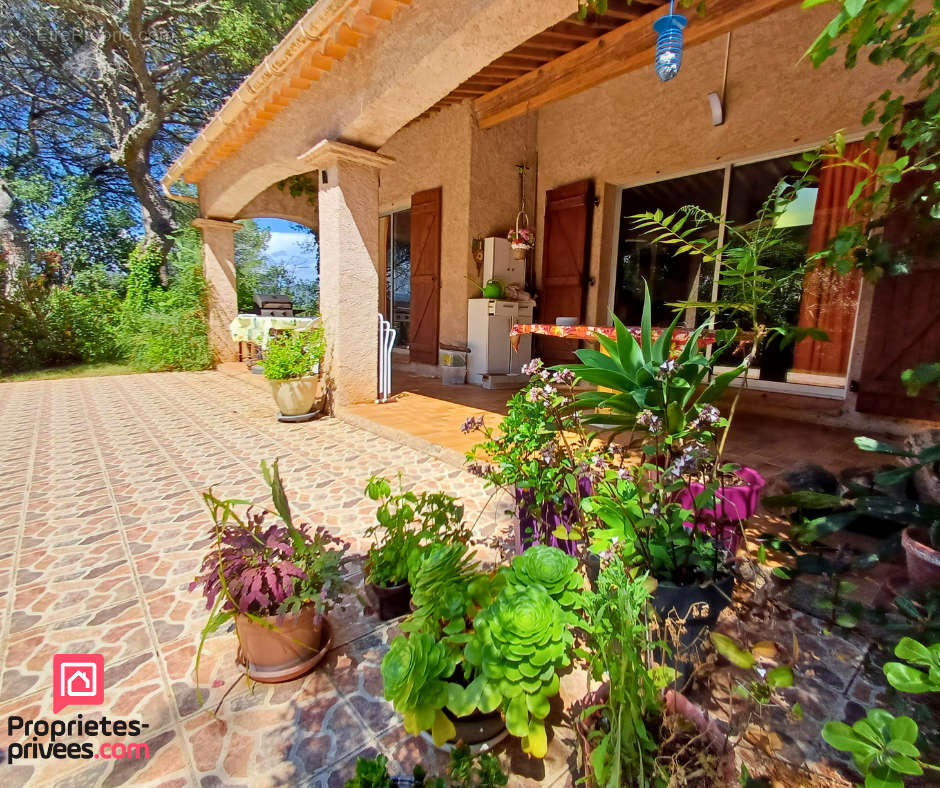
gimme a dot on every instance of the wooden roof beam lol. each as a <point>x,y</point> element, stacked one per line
<point>620,51</point>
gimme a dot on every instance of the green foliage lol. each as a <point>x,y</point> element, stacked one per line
<point>920,377</point>
<point>883,747</point>
<point>143,275</point>
<point>294,354</point>
<point>623,742</point>
<point>550,568</point>
<point>257,570</point>
<point>538,453</point>
<point>903,35</point>
<point>465,770</point>
<point>166,329</point>
<point>520,643</point>
<point>643,378</point>
<point>371,773</point>
<point>85,318</point>
<point>407,522</point>
<point>882,500</point>
<point>70,216</point>
<point>26,341</point>
<point>510,642</point>
<point>762,267</point>
<point>446,590</point>
<point>301,186</point>
<point>910,679</point>
<point>415,672</point>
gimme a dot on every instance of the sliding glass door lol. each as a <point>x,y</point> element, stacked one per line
<point>395,232</point>
<point>735,195</point>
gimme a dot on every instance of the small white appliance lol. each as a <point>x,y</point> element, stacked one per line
<point>493,362</point>
<point>499,264</point>
<point>488,323</point>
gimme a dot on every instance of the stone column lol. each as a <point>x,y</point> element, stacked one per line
<point>349,266</point>
<point>218,267</point>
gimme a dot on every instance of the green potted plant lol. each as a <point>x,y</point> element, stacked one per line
<point>276,581</point>
<point>406,523</point>
<point>292,362</point>
<point>630,732</point>
<point>483,647</point>
<point>465,770</point>
<point>886,749</point>
<point>666,515</point>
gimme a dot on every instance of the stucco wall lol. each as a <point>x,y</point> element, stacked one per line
<point>494,177</point>
<point>627,131</point>
<point>480,192</point>
<point>635,129</point>
<point>427,50</point>
<point>281,204</point>
<point>430,153</point>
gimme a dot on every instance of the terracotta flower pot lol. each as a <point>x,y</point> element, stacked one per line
<point>923,562</point>
<point>390,601</point>
<point>297,396</point>
<point>718,741</point>
<point>676,703</point>
<point>291,646</point>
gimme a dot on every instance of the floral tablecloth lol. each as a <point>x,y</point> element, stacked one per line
<point>257,328</point>
<point>679,335</point>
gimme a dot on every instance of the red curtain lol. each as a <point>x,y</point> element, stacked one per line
<point>829,298</point>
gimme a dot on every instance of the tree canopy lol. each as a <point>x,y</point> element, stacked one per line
<point>111,90</point>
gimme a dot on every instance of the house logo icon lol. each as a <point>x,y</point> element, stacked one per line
<point>78,679</point>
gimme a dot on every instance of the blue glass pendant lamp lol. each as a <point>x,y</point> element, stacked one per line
<point>669,44</point>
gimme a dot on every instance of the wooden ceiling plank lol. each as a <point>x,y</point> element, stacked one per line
<point>624,49</point>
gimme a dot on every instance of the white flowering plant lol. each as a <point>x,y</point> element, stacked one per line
<point>542,455</point>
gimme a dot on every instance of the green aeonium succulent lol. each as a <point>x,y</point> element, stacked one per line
<point>446,590</point>
<point>415,672</point>
<point>552,569</point>
<point>520,642</point>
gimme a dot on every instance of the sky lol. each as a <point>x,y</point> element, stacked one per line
<point>285,247</point>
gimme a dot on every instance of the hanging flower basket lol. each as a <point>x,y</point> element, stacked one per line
<point>521,238</point>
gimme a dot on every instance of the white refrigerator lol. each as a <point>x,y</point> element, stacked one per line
<point>491,355</point>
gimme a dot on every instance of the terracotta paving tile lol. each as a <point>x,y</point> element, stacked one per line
<point>102,528</point>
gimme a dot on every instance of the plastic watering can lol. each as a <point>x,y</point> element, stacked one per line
<point>493,289</point>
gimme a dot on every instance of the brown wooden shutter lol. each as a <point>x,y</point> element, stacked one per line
<point>425,275</point>
<point>565,263</point>
<point>904,330</point>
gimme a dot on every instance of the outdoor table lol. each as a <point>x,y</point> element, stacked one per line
<point>679,335</point>
<point>257,328</point>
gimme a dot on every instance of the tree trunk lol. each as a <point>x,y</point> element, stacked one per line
<point>14,245</point>
<point>156,211</point>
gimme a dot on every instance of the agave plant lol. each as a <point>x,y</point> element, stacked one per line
<point>520,643</point>
<point>552,569</point>
<point>415,672</point>
<point>643,378</point>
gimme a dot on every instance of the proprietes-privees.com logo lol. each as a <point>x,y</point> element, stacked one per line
<point>78,680</point>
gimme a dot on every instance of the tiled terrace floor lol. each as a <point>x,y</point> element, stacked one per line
<point>431,413</point>
<point>101,529</point>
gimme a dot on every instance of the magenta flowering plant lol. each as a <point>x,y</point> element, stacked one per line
<point>256,569</point>
<point>522,236</point>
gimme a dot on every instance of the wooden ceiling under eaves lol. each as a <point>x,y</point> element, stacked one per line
<point>555,41</point>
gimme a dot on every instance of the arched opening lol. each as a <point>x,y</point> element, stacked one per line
<point>275,256</point>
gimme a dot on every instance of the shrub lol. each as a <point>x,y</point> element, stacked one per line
<point>84,318</point>
<point>167,329</point>
<point>294,354</point>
